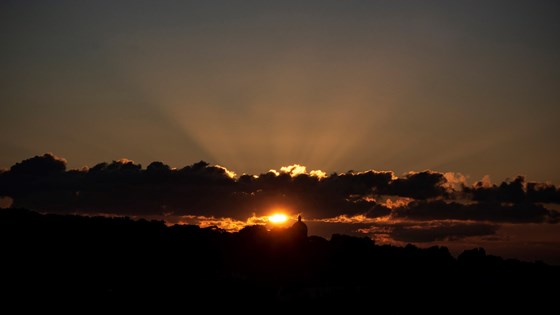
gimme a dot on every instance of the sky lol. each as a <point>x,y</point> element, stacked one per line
<point>464,88</point>
<point>459,86</point>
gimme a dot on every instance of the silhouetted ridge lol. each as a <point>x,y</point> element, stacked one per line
<point>118,258</point>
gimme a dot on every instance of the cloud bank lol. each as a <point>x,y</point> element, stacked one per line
<point>414,207</point>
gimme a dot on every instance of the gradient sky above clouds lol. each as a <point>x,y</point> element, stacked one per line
<point>462,86</point>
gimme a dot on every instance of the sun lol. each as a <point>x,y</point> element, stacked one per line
<point>278,218</point>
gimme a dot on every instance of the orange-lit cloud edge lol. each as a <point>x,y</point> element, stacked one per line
<point>408,213</point>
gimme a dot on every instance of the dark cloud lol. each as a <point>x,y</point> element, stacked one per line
<point>45,165</point>
<point>426,231</point>
<point>515,191</point>
<point>421,185</point>
<point>126,188</point>
<point>440,232</point>
<point>496,212</point>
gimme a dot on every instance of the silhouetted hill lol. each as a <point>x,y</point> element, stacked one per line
<point>119,259</point>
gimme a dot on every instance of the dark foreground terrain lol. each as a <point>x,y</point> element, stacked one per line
<point>76,258</point>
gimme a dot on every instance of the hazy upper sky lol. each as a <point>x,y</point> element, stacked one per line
<point>464,86</point>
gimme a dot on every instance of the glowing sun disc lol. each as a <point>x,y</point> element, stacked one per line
<point>278,218</point>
